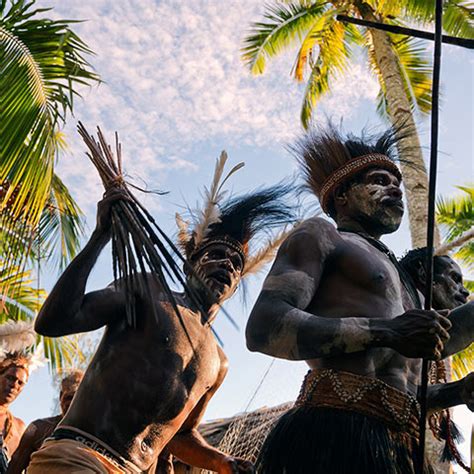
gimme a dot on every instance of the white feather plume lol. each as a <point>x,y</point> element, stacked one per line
<point>16,336</point>
<point>210,214</point>
<point>37,358</point>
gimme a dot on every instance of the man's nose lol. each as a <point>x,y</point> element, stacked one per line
<point>395,192</point>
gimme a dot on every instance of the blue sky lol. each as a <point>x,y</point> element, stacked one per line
<point>177,93</point>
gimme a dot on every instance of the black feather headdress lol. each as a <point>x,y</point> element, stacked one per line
<point>239,221</point>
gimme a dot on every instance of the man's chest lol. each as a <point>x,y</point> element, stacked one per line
<point>358,263</point>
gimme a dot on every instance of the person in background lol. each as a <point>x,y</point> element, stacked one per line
<point>38,430</point>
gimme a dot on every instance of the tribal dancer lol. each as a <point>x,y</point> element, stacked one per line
<point>171,371</point>
<point>337,298</point>
<point>16,361</point>
<point>448,293</point>
<point>38,430</point>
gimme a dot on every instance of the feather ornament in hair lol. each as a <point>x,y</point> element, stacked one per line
<point>266,254</point>
<point>16,336</point>
<point>37,359</point>
<point>184,236</point>
<point>210,213</point>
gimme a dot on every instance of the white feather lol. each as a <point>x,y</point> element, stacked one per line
<point>210,211</point>
<point>16,336</point>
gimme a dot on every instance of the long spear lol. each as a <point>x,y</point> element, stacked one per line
<point>431,217</point>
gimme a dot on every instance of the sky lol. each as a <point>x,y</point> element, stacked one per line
<point>178,93</point>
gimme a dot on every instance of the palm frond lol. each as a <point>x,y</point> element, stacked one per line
<point>415,69</point>
<point>456,214</point>
<point>306,52</point>
<point>458,18</point>
<point>456,218</point>
<point>282,25</point>
<point>334,53</point>
<point>469,284</point>
<point>60,227</point>
<point>42,66</point>
<point>20,301</point>
<point>463,363</point>
<point>458,15</point>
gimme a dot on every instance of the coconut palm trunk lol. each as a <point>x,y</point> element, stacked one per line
<point>415,179</point>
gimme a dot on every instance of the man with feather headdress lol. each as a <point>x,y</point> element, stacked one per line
<point>337,298</point>
<point>16,361</point>
<point>147,388</point>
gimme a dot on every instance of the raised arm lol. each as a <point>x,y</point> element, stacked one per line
<point>279,325</point>
<point>68,310</point>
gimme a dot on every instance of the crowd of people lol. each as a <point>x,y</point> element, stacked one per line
<point>335,297</point>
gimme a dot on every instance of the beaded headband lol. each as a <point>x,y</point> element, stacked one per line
<point>352,167</point>
<point>232,243</point>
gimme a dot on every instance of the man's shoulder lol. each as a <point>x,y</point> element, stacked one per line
<point>44,422</point>
<point>313,234</point>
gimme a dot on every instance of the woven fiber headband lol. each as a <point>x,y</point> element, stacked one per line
<point>351,168</point>
<point>233,244</point>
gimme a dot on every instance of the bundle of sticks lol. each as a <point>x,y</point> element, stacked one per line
<point>141,251</point>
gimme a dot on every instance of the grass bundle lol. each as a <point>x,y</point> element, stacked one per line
<point>141,251</point>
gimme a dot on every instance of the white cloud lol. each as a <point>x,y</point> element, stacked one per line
<point>174,80</point>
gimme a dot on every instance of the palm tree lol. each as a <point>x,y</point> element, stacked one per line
<point>23,305</point>
<point>326,47</point>
<point>41,68</point>
<point>42,65</point>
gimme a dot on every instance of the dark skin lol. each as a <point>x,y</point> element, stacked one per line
<point>335,301</point>
<point>12,382</point>
<point>171,375</point>
<point>36,433</point>
<point>450,293</point>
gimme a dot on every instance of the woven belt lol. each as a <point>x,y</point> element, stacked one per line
<point>367,396</point>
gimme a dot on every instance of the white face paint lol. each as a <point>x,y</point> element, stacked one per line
<point>376,201</point>
<point>220,268</point>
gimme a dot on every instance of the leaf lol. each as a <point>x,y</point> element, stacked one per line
<point>333,57</point>
<point>42,65</point>
<point>283,24</point>
<point>416,71</point>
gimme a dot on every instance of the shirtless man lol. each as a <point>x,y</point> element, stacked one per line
<point>16,340</point>
<point>13,379</point>
<point>335,298</point>
<point>449,291</point>
<point>38,430</point>
<point>148,385</point>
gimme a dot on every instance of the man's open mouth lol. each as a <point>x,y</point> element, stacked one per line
<point>221,276</point>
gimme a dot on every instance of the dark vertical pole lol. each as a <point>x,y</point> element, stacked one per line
<point>431,217</point>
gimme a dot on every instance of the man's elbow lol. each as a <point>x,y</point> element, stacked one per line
<point>43,328</point>
<point>254,338</point>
